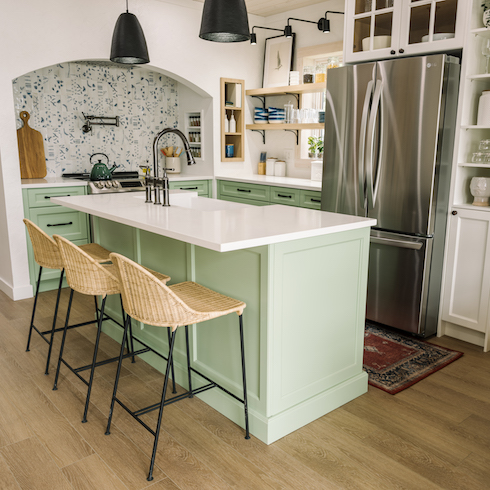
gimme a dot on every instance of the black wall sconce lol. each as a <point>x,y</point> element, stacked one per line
<point>253,36</point>
<point>323,24</point>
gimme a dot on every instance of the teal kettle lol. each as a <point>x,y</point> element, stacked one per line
<point>100,171</point>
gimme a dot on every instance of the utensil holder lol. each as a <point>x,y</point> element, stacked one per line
<point>173,163</point>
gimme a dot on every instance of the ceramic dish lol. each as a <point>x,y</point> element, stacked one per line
<point>439,37</point>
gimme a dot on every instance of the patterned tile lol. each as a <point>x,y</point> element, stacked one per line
<point>56,97</point>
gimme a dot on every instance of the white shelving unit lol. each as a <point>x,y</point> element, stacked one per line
<point>194,132</point>
<point>466,288</point>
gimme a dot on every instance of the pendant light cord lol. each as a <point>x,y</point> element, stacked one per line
<point>127,11</point>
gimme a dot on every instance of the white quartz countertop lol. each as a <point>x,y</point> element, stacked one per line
<point>217,225</point>
<point>62,182</point>
<point>272,180</point>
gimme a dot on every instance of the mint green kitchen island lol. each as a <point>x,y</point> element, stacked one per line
<point>302,273</point>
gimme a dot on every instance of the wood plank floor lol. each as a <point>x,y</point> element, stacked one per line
<point>434,435</point>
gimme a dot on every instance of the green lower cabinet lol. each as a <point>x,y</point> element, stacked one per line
<point>310,199</point>
<point>203,187</point>
<point>284,195</point>
<point>262,195</point>
<point>53,219</point>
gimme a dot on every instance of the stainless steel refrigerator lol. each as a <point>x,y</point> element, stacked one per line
<point>389,137</point>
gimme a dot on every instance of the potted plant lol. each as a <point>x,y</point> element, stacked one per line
<point>315,147</point>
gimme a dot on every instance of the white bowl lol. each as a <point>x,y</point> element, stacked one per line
<point>439,37</point>
<point>379,42</point>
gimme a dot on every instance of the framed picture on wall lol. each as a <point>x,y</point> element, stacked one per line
<point>278,61</point>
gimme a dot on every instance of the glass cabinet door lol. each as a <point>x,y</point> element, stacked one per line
<point>373,25</point>
<point>431,21</point>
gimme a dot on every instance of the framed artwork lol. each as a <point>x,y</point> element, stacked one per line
<point>278,61</point>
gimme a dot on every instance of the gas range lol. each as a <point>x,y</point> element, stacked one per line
<point>121,182</point>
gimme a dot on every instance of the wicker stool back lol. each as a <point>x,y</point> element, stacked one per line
<point>47,255</point>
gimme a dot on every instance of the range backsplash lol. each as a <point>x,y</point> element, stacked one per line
<point>56,96</point>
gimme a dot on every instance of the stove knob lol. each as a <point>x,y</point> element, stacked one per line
<point>107,184</point>
<point>115,184</point>
<point>99,185</point>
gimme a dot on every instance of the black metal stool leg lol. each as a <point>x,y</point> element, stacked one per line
<point>174,389</point>
<point>159,423</point>
<point>130,340</point>
<point>94,360</point>
<point>189,377</point>
<point>245,402</point>
<point>116,382</point>
<point>55,386</point>
<point>34,309</point>
<point>51,339</point>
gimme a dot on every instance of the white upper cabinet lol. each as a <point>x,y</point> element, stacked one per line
<point>380,29</point>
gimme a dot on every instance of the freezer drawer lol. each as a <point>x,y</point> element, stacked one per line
<point>397,281</point>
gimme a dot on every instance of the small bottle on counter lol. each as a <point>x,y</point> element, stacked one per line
<point>227,124</point>
<point>232,123</point>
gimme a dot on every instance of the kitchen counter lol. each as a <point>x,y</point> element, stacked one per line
<point>251,178</point>
<point>302,274</point>
<point>292,182</point>
<point>62,182</point>
<point>217,225</point>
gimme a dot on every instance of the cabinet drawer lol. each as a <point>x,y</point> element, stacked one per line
<point>243,191</point>
<point>245,201</point>
<point>201,186</point>
<point>285,195</point>
<point>59,220</point>
<point>40,197</point>
<point>310,199</point>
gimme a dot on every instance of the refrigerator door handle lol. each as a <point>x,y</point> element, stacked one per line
<point>362,143</point>
<point>397,243</point>
<point>372,188</point>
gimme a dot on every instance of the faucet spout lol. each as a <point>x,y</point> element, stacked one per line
<point>181,135</point>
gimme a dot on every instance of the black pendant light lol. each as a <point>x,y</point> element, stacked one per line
<point>128,41</point>
<point>224,21</point>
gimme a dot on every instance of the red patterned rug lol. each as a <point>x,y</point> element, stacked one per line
<point>395,362</point>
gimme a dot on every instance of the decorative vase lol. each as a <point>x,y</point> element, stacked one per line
<point>486,17</point>
<point>480,190</point>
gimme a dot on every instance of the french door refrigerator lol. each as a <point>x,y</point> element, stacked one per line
<point>389,135</point>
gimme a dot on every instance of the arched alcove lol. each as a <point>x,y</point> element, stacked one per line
<point>144,98</point>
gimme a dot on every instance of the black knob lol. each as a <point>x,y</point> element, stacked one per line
<point>393,51</point>
<point>454,213</point>
<point>401,50</point>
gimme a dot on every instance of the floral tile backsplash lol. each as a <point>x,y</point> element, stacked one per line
<point>56,96</point>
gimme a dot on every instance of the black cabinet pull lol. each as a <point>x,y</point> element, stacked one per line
<point>244,190</point>
<point>392,51</point>
<point>284,195</point>
<point>315,200</point>
<point>62,224</point>
<point>188,188</point>
<point>401,51</point>
<point>49,197</point>
<point>454,213</point>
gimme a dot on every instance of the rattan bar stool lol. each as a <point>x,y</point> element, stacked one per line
<point>87,276</point>
<point>147,299</point>
<point>47,256</point>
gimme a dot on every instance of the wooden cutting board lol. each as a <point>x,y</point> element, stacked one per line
<point>31,151</point>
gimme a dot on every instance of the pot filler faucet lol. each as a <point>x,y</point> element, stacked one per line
<point>158,182</point>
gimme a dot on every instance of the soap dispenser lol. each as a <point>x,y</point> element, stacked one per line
<point>232,123</point>
<point>227,124</point>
